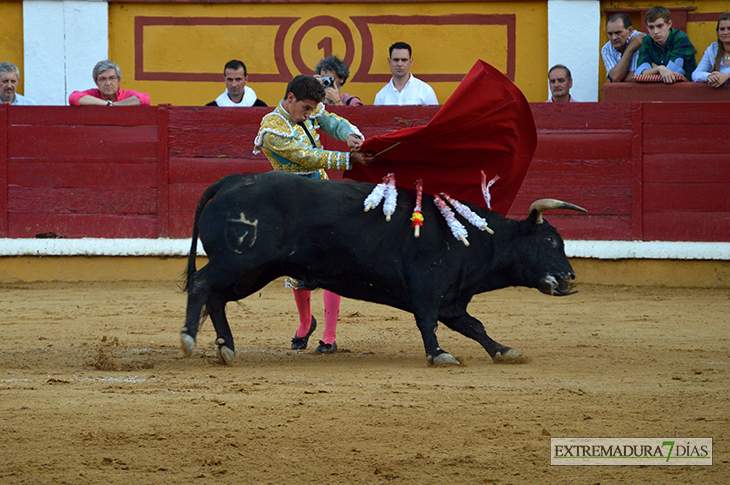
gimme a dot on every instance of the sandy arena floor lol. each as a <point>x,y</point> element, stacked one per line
<point>95,389</point>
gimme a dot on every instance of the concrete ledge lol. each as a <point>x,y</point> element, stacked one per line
<point>19,269</point>
<point>97,247</point>
<point>181,247</point>
<point>625,272</point>
<point>648,250</point>
<point>671,264</point>
<point>670,273</point>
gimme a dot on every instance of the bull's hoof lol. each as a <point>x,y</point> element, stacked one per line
<point>188,344</point>
<point>226,355</point>
<point>441,359</point>
<point>509,356</point>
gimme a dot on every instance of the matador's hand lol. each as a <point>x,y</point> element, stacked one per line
<point>354,142</point>
<point>360,157</point>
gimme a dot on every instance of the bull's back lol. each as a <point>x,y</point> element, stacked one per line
<point>280,218</point>
<point>257,213</point>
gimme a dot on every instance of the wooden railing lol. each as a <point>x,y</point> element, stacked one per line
<point>682,91</point>
<point>645,171</point>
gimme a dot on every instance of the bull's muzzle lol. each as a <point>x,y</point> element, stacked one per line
<point>558,284</point>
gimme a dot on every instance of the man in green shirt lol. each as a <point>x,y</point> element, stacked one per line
<point>665,51</point>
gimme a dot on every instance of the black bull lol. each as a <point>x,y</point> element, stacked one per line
<point>258,227</point>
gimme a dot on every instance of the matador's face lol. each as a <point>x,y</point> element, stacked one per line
<point>299,109</point>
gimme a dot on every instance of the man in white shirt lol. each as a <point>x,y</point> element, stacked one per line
<point>9,77</point>
<point>621,52</point>
<point>404,88</point>
<point>237,94</point>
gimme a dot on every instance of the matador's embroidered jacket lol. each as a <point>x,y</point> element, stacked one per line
<point>288,148</point>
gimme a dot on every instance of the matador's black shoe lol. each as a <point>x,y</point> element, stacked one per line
<point>326,348</point>
<point>300,343</point>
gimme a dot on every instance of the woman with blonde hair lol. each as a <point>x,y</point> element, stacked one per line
<point>714,68</point>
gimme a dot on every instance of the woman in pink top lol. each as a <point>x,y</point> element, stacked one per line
<point>107,76</point>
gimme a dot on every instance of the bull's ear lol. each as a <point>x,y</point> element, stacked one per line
<point>539,206</point>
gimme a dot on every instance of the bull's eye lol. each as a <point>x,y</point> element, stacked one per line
<point>552,241</point>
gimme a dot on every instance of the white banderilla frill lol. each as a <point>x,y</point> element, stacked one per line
<point>457,228</point>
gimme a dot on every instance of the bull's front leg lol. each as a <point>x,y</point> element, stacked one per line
<point>434,353</point>
<point>470,327</point>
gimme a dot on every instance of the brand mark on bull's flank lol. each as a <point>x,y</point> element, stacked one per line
<point>254,225</point>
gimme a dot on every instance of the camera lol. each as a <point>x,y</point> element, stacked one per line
<point>328,81</point>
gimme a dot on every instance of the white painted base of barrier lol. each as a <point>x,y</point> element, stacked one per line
<point>181,247</point>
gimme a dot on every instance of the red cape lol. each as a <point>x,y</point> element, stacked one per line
<point>486,125</point>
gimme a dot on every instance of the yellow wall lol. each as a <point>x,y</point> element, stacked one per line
<point>702,34</point>
<point>631,272</point>
<point>11,36</point>
<point>438,49</point>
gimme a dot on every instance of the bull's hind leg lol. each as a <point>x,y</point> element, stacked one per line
<point>198,292</point>
<point>471,327</point>
<point>216,306</point>
<point>212,286</point>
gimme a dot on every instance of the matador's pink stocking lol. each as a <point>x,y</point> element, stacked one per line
<point>302,298</point>
<point>331,313</point>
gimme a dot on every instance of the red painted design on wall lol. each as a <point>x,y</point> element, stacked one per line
<point>284,24</point>
<point>362,23</point>
<point>141,74</point>
<point>327,21</point>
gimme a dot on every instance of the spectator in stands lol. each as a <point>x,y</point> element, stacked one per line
<point>9,77</point>
<point>404,88</point>
<point>332,67</point>
<point>714,68</point>
<point>621,51</point>
<point>108,76</point>
<point>560,81</point>
<point>237,94</point>
<point>665,51</point>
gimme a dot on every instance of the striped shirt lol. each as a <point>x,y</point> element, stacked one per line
<point>611,55</point>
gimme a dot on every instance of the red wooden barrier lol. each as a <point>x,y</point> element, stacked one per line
<point>81,172</point>
<point>684,91</point>
<point>3,171</point>
<point>645,171</point>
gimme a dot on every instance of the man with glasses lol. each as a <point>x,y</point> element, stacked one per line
<point>108,76</point>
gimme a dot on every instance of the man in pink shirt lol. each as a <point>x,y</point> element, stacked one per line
<point>107,76</point>
<point>560,81</point>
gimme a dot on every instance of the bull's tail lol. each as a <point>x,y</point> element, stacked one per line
<point>204,199</point>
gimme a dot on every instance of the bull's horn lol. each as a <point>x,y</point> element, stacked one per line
<point>542,205</point>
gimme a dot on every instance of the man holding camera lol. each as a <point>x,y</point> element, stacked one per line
<point>333,73</point>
